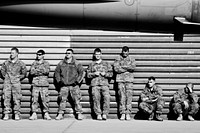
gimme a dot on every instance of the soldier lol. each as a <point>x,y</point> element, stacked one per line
<point>124,67</point>
<point>39,71</point>
<point>99,72</point>
<point>152,101</point>
<point>185,103</point>
<point>13,71</point>
<point>69,74</point>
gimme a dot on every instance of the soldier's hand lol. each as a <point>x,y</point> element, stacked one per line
<point>103,73</point>
<point>145,99</point>
<point>186,104</point>
<point>124,67</point>
<point>97,73</point>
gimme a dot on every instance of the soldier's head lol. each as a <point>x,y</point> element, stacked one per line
<point>151,81</point>
<point>125,51</point>
<point>40,54</point>
<point>189,87</point>
<point>14,53</point>
<point>69,53</point>
<point>97,54</point>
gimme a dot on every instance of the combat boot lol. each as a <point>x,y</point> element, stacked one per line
<point>6,117</point>
<point>180,117</point>
<point>17,117</point>
<point>80,117</point>
<point>46,116</point>
<point>151,116</point>
<point>104,117</point>
<point>128,117</point>
<point>122,117</point>
<point>99,117</point>
<point>59,117</point>
<point>190,118</point>
<point>33,116</point>
<point>158,118</point>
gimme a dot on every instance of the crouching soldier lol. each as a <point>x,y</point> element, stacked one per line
<point>185,103</point>
<point>39,71</point>
<point>152,101</point>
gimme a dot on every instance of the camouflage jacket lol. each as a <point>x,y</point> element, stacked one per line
<point>39,72</point>
<point>124,68</point>
<point>13,72</point>
<point>69,73</point>
<point>101,67</point>
<point>181,96</point>
<point>151,95</point>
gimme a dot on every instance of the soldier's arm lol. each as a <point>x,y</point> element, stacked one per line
<point>57,73</point>
<point>90,72</point>
<point>3,71</point>
<point>109,72</point>
<point>118,68</point>
<point>81,73</point>
<point>159,92</point>
<point>131,67</point>
<point>144,97</point>
<point>33,70</point>
<point>45,69</point>
<point>23,71</point>
<point>193,98</point>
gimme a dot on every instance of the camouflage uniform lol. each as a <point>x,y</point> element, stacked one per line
<point>191,98</point>
<point>39,72</point>
<point>149,106</point>
<point>124,68</point>
<point>100,85</point>
<point>12,73</point>
<point>69,77</point>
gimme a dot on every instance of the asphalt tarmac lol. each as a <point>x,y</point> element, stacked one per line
<point>93,126</point>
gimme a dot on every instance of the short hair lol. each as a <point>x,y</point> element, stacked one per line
<point>97,50</point>
<point>190,83</point>
<point>152,78</point>
<point>41,51</point>
<point>15,48</point>
<point>125,48</point>
<point>69,49</point>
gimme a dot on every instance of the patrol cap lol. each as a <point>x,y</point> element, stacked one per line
<point>40,52</point>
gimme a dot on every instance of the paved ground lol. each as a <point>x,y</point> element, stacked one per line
<point>94,126</point>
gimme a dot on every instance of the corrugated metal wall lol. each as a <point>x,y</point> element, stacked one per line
<point>172,63</point>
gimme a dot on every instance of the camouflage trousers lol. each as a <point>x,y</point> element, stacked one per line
<point>125,96</point>
<point>179,109</point>
<point>43,93</point>
<point>63,97</point>
<point>97,93</point>
<point>156,106</point>
<point>12,91</point>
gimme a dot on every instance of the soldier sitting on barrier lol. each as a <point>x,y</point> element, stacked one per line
<point>152,101</point>
<point>185,103</point>
<point>39,71</point>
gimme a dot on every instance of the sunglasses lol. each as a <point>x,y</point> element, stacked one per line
<point>39,54</point>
